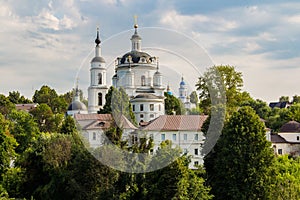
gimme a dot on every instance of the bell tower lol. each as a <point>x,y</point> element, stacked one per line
<point>98,87</point>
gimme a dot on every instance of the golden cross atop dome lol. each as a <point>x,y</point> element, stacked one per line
<point>135,21</point>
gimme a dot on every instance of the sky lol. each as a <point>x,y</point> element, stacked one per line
<point>51,42</point>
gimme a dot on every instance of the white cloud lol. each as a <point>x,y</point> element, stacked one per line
<point>251,47</point>
<point>67,23</point>
<point>175,20</point>
<point>295,19</point>
<point>180,22</point>
<point>267,36</point>
<point>46,20</point>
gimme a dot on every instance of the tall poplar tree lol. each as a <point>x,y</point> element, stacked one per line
<point>116,103</point>
<point>240,165</point>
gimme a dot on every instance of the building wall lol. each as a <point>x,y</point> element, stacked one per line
<point>151,109</point>
<point>189,141</point>
<point>138,71</point>
<point>94,138</point>
<point>290,137</point>
<point>286,148</point>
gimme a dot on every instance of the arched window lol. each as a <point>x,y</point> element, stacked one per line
<point>141,107</point>
<point>99,78</point>
<point>143,80</point>
<point>99,99</point>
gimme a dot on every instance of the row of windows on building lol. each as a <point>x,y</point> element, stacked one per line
<point>151,116</point>
<point>100,80</point>
<point>174,137</point>
<point>151,107</point>
<point>163,136</point>
<point>134,139</point>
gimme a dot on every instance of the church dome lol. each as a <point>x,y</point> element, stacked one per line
<point>98,59</point>
<point>136,36</point>
<point>290,127</point>
<point>136,56</point>
<point>77,105</point>
<point>182,83</point>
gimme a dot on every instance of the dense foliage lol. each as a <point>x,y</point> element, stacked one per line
<point>50,160</point>
<point>240,165</point>
<point>117,103</point>
<point>173,105</point>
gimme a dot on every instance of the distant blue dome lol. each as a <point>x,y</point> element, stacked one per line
<point>170,93</point>
<point>182,81</point>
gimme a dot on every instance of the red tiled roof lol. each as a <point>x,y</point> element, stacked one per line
<point>125,123</point>
<point>101,117</point>
<point>97,125</point>
<point>290,127</point>
<point>103,121</point>
<point>177,123</point>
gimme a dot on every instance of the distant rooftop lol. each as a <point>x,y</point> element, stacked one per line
<point>176,123</point>
<point>102,121</point>
<point>26,106</point>
<point>290,127</point>
<point>284,104</point>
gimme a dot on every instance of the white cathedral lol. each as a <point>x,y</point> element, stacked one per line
<point>138,74</point>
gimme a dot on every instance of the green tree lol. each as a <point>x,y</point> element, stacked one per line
<point>108,101</point>
<point>173,105</point>
<point>68,96</point>
<point>277,118</point>
<point>12,180</point>
<point>114,135</point>
<point>46,119</point>
<point>47,95</point>
<point>23,128</point>
<point>284,99</point>
<point>117,102</point>
<point>287,184</point>
<point>57,121</point>
<point>296,99</point>
<point>240,165</point>
<point>261,108</point>
<point>194,97</point>
<point>68,126</point>
<point>44,95</point>
<point>175,181</point>
<point>5,105</point>
<point>294,112</point>
<point>16,98</point>
<point>7,146</point>
<point>7,152</point>
<point>43,115</point>
<point>59,105</point>
<point>219,82</point>
<point>194,111</point>
<point>58,167</point>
